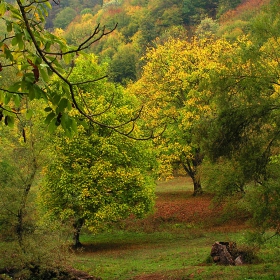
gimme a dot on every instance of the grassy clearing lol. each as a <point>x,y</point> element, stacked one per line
<point>176,250</point>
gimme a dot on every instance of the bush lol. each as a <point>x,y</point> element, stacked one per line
<point>42,255</point>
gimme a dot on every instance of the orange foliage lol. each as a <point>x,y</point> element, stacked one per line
<point>247,5</point>
<point>114,10</point>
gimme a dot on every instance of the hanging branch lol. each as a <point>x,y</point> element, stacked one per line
<point>29,32</point>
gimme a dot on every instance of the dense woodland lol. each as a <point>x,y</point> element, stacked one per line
<point>100,99</point>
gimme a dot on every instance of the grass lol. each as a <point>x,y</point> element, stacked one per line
<point>177,250</point>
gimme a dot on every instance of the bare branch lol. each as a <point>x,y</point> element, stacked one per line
<point>35,2</point>
<point>12,92</point>
<point>89,81</point>
<point>87,43</point>
<point>10,111</point>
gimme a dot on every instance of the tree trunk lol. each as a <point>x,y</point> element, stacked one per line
<point>22,209</point>
<point>77,230</point>
<point>191,167</point>
<point>197,188</point>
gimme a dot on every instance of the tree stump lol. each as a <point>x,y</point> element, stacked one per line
<point>226,253</point>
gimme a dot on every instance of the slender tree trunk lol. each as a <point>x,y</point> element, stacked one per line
<point>22,208</point>
<point>77,230</point>
<point>191,167</point>
<point>197,188</point>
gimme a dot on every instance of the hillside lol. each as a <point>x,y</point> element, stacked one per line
<point>141,24</point>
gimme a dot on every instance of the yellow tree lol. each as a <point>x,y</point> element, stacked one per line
<point>174,88</point>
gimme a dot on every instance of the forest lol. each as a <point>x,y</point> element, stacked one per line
<point>106,107</point>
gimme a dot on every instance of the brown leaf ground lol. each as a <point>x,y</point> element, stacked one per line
<point>180,206</point>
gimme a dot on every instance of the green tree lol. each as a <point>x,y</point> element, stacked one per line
<point>24,154</point>
<point>245,127</point>
<point>193,11</point>
<point>123,65</point>
<point>207,28</point>
<point>64,17</point>
<point>100,177</point>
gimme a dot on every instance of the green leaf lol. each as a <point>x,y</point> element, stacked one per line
<point>48,109</point>
<point>10,120</point>
<point>48,46</point>
<point>44,74</point>
<point>8,54</point>
<point>31,93</point>
<point>15,87</point>
<point>52,126</point>
<point>15,13</point>
<point>65,122</point>
<point>20,42</point>
<point>14,41</point>
<point>84,124</point>
<point>63,104</point>
<point>38,92</point>
<point>29,78</point>
<point>49,117</point>
<point>74,125</point>
<point>8,97</point>
<point>29,114</point>
<point>26,34</point>
<point>48,4</point>
<point>38,61</point>
<point>68,58</point>
<point>3,8</point>
<point>17,99</point>
<point>9,26</point>
<point>56,99</point>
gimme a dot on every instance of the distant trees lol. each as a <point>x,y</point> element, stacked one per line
<point>193,11</point>
<point>207,28</point>
<point>64,17</point>
<point>139,24</point>
<point>123,65</point>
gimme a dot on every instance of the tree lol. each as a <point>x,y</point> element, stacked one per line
<point>174,89</point>
<point>123,65</point>
<point>245,128</point>
<point>207,28</point>
<point>24,154</point>
<point>193,11</point>
<point>64,17</point>
<point>225,5</point>
<point>99,176</point>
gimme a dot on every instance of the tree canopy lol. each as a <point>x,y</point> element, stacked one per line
<point>174,87</point>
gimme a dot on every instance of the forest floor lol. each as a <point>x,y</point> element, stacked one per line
<point>177,207</point>
<point>174,242</point>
